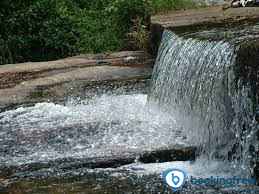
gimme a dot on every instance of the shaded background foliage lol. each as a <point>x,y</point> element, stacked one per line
<point>38,30</point>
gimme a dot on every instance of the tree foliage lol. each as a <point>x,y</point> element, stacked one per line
<point>37,30</point>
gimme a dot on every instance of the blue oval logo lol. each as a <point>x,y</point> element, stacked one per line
<point>174,178</point>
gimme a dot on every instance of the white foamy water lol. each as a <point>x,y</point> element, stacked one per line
<point>198,82</point>
<point>102,126</point>
<point>200,168</point>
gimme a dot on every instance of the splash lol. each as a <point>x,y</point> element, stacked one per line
<point>101,126</point>
<point>195,80</point>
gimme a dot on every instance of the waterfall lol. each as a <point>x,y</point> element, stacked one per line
<point>196,81</point>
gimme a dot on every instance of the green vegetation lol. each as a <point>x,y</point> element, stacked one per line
<point>168,5</point>
<point>38,30</point>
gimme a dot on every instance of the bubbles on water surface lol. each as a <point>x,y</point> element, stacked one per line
<point>100,126</point>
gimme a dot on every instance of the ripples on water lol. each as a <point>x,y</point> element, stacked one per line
<point>189,75</point>
<point>98,127</point>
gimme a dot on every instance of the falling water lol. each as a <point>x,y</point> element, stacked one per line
<point>195,81</point>
<point>196,97</point>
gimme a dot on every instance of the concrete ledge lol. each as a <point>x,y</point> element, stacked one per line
<point>205,15</point>
<point>196,19</point>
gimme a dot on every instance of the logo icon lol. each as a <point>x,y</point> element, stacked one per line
<point>174,178</point>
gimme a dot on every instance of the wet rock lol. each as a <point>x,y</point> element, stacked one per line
<point>164,154</point>
<point>238,27</point>
<point>175,153</point>
<point>28,91</point>
<point>156,36</point>
<point>24,83</point>
<point>110,181</point>
<point>195,20</point>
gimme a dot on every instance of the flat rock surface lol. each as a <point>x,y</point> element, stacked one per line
<point>19,83</point>
<point>163,154</point>
<point>205,15</point>
<point>124,58</point>
<point>112,181</point>
<point>14,74</point>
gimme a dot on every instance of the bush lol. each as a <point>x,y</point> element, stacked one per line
<point>92,4</point>
<point>139,36</point>
<point>125,11</point>
<point>97,33</point>
<point>167,5</point>
<point>38,30</point>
